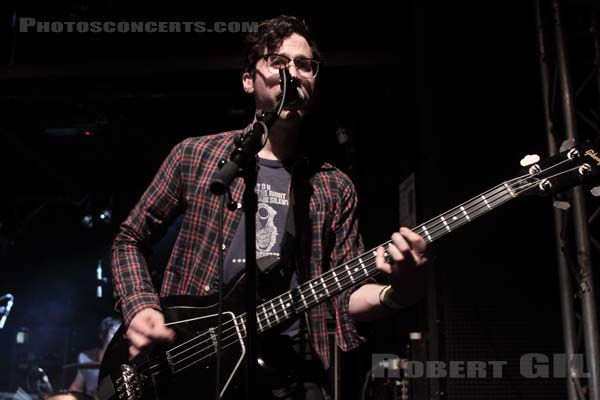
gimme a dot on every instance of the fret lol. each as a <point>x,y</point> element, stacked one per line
<point>486,202</point>
<point>349,273</point>
<point>290,302</point>
<point>274,311</point>
<point>337,280</point>
<point>266,315</point>
<point>445,223</point>
<point>241,323</point>
<point>465,213</point>
<point>509,190</point>
<point>457,219</point>
<point>302,297</point>
<point>426,232</point>
<point>312,289</point>
<point>258,321</point>
<point>324,286</point>
<point>364,267</point>
<point>356,269</point>
<point>283,307</point>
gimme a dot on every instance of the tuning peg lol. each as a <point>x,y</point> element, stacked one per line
<point>562,205</point>
<point>529,160</point>
<point>595,191</point>
<point>545,184</point>
<point>585,169</point>
<point>566,145</point>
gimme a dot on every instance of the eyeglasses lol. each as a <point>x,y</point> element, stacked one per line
<point>306,67</point>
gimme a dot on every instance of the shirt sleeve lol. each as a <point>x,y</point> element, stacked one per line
<point>348,245</point>
<point>146,223</point>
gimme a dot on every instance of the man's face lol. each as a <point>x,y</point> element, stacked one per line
<point>265,84</point>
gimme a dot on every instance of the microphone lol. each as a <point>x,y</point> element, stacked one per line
<point>6,310</point>
<point>293,93</point>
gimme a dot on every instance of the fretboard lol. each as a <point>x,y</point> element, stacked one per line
<point>359,269</point>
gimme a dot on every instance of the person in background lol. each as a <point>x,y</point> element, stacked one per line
<point>86,380</point>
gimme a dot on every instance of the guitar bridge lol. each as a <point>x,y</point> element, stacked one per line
<point>129,384</point>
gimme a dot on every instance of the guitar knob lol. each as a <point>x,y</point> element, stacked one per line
<point>535,169</point>
<point>585,169</point>
<point>566,145</point>
<point>545,184</point>
<point>529,159</point>
<point>561,205</point>
<point>573,153</point>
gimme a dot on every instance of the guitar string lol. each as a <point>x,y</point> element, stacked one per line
<point>264,306</point>
<point>266,317</point>
<point>317,293</point>
<point>513,183</point>
<point>345,279</point>
<point>274,302</point>
<point>433,227</point>
<point>317,297</point>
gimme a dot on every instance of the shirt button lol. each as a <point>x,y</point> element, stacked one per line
<point>206,288</point>
<point>224,247</point>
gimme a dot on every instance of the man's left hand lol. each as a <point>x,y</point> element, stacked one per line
<point>407,253</point>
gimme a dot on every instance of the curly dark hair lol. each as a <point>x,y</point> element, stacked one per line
<point>270,34</point>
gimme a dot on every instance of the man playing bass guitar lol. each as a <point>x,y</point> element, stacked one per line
<point>325,233</point>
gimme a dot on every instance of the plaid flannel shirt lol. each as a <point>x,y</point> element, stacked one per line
<point>182,186</point>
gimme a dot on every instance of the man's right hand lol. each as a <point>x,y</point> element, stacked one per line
<point>147,327</point>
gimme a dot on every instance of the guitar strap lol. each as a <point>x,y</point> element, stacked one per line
<point>294,244</point>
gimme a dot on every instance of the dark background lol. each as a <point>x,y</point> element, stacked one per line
<point>451,93</point>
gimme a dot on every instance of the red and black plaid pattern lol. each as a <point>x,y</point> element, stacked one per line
<point>181,186</point>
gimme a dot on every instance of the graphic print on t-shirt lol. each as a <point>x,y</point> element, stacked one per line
<point>267,231</point>
<point>272,194</point>
<point>272,187</point>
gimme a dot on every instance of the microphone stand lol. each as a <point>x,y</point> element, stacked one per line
<point>4,311</point>
<point>243,163</point>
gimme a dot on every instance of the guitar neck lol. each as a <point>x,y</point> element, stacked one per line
<point>359,269</point>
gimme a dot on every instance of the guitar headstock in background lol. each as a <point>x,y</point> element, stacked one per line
<point>575,164</point>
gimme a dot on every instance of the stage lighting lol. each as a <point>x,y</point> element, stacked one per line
<point>105,216</point>
<point>88,221</point>
<point>22,336</point>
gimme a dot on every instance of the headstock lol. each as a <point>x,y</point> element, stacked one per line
<point>571,167</point>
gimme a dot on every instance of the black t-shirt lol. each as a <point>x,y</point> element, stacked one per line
<point>272,186</point>
<point>286,352</point>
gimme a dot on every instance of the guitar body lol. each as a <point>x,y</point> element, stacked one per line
<point>190,372</point>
